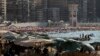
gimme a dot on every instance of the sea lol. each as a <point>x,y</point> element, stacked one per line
<point>95,38</point>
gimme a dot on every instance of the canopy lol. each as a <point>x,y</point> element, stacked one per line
<point>9,36</point>
<point>71,46</point>
<point>34,42</point>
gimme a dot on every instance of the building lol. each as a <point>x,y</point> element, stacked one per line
<point>73,13</point>
<point>3,7</point>
<point>23,13</point>
<point>91,11</point>
<point>98,10</point>
<point>0,11</point>
<point>87,10</point>
<point>0,7</point>
<point>11,10</point>
<point>84,11</point>
<point>44,10</point>
<point>54,14</point>
<point>62,6</point>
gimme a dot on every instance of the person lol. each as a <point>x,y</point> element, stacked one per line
<point>0,48</point>
<point>7,51</point>
<point>97,47</point>
<point>37,50</point>
<point>57,53</point>
<point>45,52</point>
<point>83,35</point>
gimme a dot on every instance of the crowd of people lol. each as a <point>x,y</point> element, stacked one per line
<point>10,49</point>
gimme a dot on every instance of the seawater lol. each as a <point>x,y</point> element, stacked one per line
<point>95,38</point>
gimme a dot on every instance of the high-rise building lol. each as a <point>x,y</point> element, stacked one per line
<point>73,13</point>
<point>11,10</point>
<point>0,11</point>
<point>3,9</point>
<point>91,11</point>
<point>58,6</point>
<point>22,8</point>
<point>44,10</point>
<point>98,10</point>
<point>84,10</point>
<point>87,10</point>
<point>54,14</point>
<point>0,7</point>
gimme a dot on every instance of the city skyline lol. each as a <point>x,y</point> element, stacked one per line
<point>44,10</point>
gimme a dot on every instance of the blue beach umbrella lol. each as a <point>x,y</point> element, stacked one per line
<point>9,36</point>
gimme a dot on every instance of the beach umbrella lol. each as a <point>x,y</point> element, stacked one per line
<point>95,43</point>
<point>34,42</point>
<point>71,46</point>
<point>9,36</point>
<point>58,42</point>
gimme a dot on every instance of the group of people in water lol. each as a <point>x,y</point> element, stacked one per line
<point>86,37</point>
